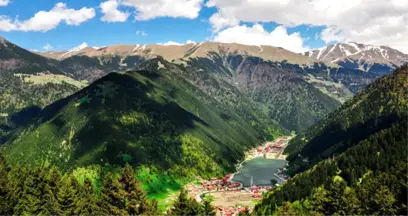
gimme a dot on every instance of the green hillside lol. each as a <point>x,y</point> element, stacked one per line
<point>22,96</point>
<point>354,168</point>
<point>283,93</point>
<point>149,117</point>
<point>377,107</point>
<point>361,181</point>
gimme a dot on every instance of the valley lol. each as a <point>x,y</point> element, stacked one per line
<point>241,190</point>
<point>202,128</point>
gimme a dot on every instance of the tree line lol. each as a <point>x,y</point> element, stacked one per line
<point>360,169</point>
<point>46,191</point>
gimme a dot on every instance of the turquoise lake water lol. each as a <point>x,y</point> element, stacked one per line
<point>261,169</point>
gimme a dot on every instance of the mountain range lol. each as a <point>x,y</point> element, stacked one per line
<point>369,58</point>
<point>263,73</point>
<point>353,161</point>
<point>288,90</point>
<point>181,111</point>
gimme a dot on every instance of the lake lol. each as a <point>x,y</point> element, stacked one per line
<point>261,169</point>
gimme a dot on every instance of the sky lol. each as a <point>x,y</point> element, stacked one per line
<point>296,25</point>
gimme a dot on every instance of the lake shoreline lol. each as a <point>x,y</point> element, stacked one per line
<point>254,153</point>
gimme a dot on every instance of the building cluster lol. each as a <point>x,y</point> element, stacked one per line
<point>275,147</point>
<point>230,211</point>
<point>223,184</point>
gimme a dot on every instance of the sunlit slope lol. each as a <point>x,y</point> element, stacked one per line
<point>152,117</point>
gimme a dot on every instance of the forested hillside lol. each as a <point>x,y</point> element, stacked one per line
<point>149,117</point>
<point>28,83</point>
<point>377,107</point>
<point>23,96</point>
<point>359,172</point>
<point>46,191</point>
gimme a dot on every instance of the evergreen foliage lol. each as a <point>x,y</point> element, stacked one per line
<point>43,191</point>
<point>365,173</point>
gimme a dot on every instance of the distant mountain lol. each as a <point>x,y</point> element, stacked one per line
<point>273,77</point>
<point>152,117</point>
<point>90,63</point>
<point>353,161</point>
<point>376,59</point>
<point>19,60</point>
<point>28,82</point>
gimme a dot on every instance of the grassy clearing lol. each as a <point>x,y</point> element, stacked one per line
<point>41,79</point>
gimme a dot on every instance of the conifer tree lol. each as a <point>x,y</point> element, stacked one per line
<point>208,209</point>
<point>29,201</point>
<point>67,195</point>
<point>87,204</point>
<point>185,205</point>
<point>136,202</point>
<point>4,187</point>
<point>49,185</point>
<point>113,196</point>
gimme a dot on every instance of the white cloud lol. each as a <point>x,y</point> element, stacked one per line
<point>170,43</point>
<point>47,20</point>
<point>173,43</point>
<point>4,3</point>
<point>257,35</point>
<point>142,33</point>
<point>47,47</point>
<point>331,34</point>
<point>378,22</point>
<point>150,9</point>
<point>111,13</point>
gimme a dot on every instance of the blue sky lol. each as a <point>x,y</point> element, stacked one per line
<point>97,33</point>
<point>164,24</point>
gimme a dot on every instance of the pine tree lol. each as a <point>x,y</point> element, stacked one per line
<point>49,185</point>
<point>153,208</point>
<point>5,208</point>
<point>113,196</point>
<point>67,195</point>
<point>208,209</point>
<point>136,202</point>
<point>15,187</point>
<point>185,205</point>
<point>29,201</point>
<point>87,204</point>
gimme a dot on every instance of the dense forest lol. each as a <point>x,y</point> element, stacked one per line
<point>365,173</point>
<point>378,193</point>
<point>21,99</point>
<point>45,191</point>
<point>375,108</point>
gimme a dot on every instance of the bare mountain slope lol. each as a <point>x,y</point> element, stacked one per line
<point>377,59</point>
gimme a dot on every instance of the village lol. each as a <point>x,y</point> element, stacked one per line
<point>229,197</point>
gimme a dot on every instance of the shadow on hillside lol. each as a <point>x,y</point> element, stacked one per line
<point>336,138</point>
<point>124,117</point>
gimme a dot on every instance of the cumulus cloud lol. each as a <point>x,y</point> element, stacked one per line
<point>331,34</point>
<point>173,43</point>
<point>170,43</point>
<point>4,3</point>
<point>47,20</point>
<point>150,9</point>
<point>257,35</point>
<point>47,47</point>
<point>111,13</point>
<point>378,22</point>
<point>141,33</point>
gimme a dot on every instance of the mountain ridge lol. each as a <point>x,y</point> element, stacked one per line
<point>377,59</point>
